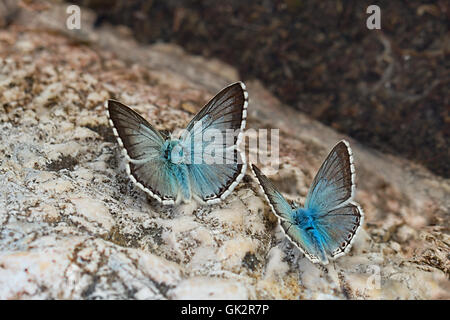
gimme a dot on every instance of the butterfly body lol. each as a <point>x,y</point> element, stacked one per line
<point>304,218</point>
<point>173,152</point>
<point>173,169</point>
<point>304,224</point>
<point>183,179</point>
<point>326,225</point>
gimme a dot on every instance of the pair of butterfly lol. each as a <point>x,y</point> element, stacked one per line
<point>158,164</point>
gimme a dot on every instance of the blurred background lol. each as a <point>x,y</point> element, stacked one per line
<point>387,88</point>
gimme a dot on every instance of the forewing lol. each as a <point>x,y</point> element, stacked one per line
<point>227,110</point>
<point>280,207</point>
<point>337,217</point>
<point>334,182</point>
<point>218,126</point>
<point>137,138</point>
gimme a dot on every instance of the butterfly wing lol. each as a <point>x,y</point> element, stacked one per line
<point>338,227</point>
<point>331,234</point>
<point>212,181</point>
<point>142,146</point>
<point>334,182</point>
<point>306,241</point>
<point>337,218</point>
<point>280,207</point>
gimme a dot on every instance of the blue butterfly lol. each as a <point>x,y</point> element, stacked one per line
<point>174,169</point>
<point>327,224</point>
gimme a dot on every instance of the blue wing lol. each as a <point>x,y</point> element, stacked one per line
<point>280,207</point>
<point>334,182</point>
<point>308,241</point>
<point>336,217</point>
<point>214,178</point>
<point>328,234</point>
<point>326,226</point>
<point>338,227</point>
<point>142,146</point>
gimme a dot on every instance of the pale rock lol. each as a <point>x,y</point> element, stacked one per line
<point>93,211</point>
<point>24,273</point>
<point>406,233</point>
<point>95,98</point>
<point>46,213</point>
<point>48,271</point>
<point>204,257</point>
<point>232,214</point>
<point>396,246</point>
<point>24,45</point>
<point>144,294</point>
<point>29,117</point>
<point>203,235</point>
<point>156,268</point>
<point>98,166</point>
<point>83,174</point>
<point>83,133</point>
<point>57,186</point>
<point>39,177</point>
<point>66,127</point>
<point>181,224</point>
<point>170,240</point>
<point>204,288</point>
<point>275,266</point>
<point>54,151</point>
<point>49,93</point>
<point>233,251</point>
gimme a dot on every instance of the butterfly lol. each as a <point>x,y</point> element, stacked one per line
<point>174,169</point>
<point>327,224</point>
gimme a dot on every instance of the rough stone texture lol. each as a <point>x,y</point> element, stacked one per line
<point>73,226</point>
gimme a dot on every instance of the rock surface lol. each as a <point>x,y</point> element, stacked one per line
<point>73,226</point>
